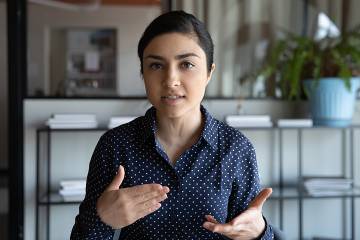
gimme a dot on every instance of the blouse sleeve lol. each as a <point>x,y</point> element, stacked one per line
<point>101,172</point>
<point>246,186</point>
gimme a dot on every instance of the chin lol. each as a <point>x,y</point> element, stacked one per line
<point>172,113</point>
<point>176,111</point>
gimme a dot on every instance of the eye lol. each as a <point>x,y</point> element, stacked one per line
<point>155,66</point>
<point>187,65</point>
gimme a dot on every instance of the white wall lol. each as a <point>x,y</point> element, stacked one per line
<point>318,159</point>
<point>129,22</point>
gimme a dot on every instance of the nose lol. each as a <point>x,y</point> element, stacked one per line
<point>172,77</point>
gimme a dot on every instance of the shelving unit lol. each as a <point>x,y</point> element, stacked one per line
<point>45,198</point>
<point>282,192</point>
<point>301,193</point>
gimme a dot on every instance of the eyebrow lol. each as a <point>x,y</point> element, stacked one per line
<point>178,57</point>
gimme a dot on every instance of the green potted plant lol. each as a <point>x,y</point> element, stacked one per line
<point>325,71</point>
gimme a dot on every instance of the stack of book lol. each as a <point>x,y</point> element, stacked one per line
<point>327,238</point>
<point>69,121</point>
<point>249,121</point>
<point>72,190</point>
<point>117,121</point>
<point>328,186</point>
<point>305,122</point>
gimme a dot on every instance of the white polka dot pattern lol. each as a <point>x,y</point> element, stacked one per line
<point>218,175</point>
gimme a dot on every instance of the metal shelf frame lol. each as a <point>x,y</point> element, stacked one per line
<point>281,192</point>
<point>302,195</point>
<point>46,199</point>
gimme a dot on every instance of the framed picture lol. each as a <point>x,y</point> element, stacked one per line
<point>83,61</point>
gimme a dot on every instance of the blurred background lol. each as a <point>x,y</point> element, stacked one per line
<point>81,57</point>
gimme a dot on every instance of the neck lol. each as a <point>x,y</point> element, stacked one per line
<point>181,129</point>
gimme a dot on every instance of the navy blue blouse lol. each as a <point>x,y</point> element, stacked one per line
<point>218,176</point>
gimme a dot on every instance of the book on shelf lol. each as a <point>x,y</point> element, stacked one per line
<point>73,125</point>
<point>73,190</point>
<point>119,120</point>
<point>73,198</point>
<point>69,121</point>
<point>73,184</point>
<point>73,117</point>
<point>326,238</point>
<point>299,122</point>
<point>251,125</point>
<point>244,117</point>
<point>328,182</point>
<point>248,121</point>
<point>326,193</point>
<point>328,186</point>
<point>72,195</point>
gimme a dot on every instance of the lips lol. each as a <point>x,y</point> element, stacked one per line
<point>172,97</point>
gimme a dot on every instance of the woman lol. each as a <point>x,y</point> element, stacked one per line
<point>175,173</point>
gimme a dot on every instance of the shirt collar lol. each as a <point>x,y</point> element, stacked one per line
<point>149,124</point>
<point>209,133</point>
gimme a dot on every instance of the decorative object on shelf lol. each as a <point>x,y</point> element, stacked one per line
<point>331,102</point>
<point>248,121</point>
<point>69,121</point>
<point>329,67</point>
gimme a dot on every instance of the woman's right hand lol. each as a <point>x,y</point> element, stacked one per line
<point>119,208</point>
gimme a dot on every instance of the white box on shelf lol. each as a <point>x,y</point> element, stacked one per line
<point>248,121</point>
<point>304,122</point>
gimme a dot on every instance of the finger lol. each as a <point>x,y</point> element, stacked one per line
<point>138,199</point>
<point>211,219</point>
<point>226,229</point>
<point>140,190</point>
<point>118,179</point>
<point>150,202</point>
<point>260,199</point>
<point>218,227</point>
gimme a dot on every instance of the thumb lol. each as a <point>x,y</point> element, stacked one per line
<point>118,179</point>
<point>260,199</point>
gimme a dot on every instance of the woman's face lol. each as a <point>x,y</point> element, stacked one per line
<point>175,74</point>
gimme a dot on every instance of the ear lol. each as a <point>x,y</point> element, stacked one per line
<point>210,73</point>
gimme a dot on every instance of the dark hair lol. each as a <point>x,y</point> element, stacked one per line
<point>180,22</point>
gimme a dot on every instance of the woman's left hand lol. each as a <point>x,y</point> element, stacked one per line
<point>249,224</point>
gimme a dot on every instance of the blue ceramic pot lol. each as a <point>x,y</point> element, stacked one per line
<point>331,103</point>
